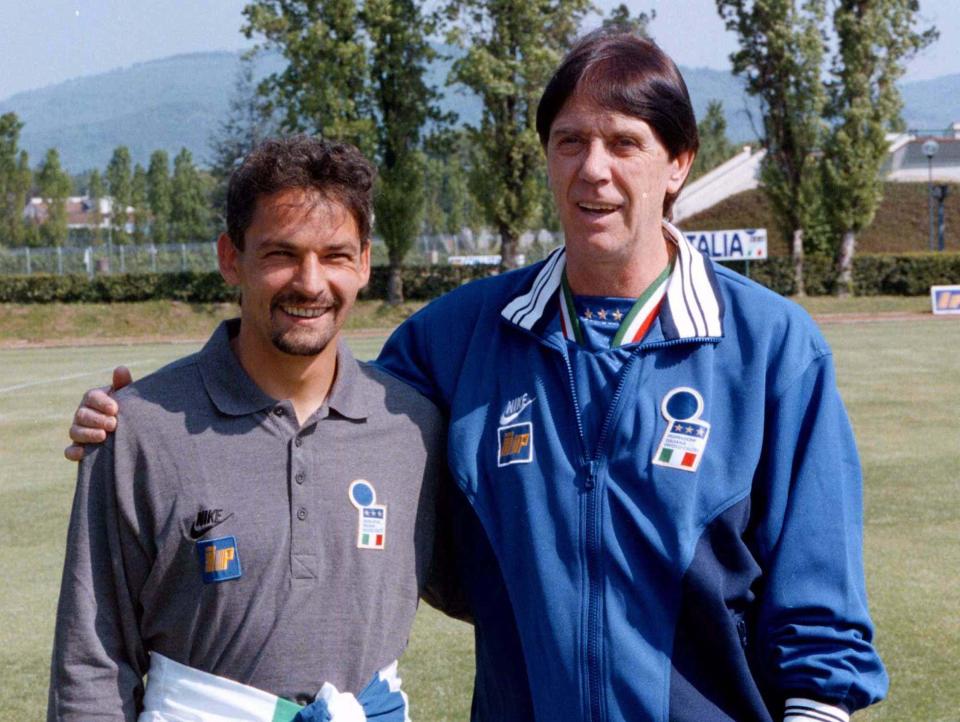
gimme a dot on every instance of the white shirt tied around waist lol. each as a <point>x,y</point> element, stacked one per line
<point>178,693</point>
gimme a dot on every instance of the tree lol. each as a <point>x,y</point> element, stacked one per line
<point>511,50</point>
<point>781,53</point>
<point>367,91</point>
<point>159,196</point>
<point>621,19</point>
<point>54,185</point>
<point>248,123</point>
<point>404,103</point>
<point>119,177</point>
<point>874,38</point>
<point>190,211</point>
<point>140,203</point>
<point>715,147</point>
<point>15,181</point>
<point>95,192</point>
<point>325,86</point>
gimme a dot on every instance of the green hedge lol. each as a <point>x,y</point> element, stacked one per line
<point>880,274</point>
<point>190,286</point>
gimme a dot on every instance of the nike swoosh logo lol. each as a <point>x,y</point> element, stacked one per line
<point>507,418</point>
<point>198,531</point>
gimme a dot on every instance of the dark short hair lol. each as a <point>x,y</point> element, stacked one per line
<point>338,171</point>
<point>624,73</point>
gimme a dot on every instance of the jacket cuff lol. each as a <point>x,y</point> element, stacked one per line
<point>798,709</point>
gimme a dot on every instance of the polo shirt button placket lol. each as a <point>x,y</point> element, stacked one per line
<point>300,477</point>
<point>298,442</point>
<point>302,513</point>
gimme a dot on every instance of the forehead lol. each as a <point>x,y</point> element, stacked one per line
<point>581,114</point>
<point>301,215</point>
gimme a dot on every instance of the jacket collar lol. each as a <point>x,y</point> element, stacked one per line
<point>692,307</point>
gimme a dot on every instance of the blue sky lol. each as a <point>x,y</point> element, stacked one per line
<point>51,41</point>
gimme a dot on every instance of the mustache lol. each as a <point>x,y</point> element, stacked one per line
<point>292,298</point>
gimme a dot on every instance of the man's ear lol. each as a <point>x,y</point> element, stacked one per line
<point>365,264</point>
<point>679,169</point>
<point>228,258</point>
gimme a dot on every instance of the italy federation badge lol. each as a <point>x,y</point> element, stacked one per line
<point>372,517</point>
<point>686,435</point>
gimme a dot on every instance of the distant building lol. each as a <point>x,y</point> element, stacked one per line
<point>905,164</point>
<point>82,213</point>
<point>908,164</point>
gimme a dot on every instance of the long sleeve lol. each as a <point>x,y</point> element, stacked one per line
<point>98,661</point>
<point>813,624</point>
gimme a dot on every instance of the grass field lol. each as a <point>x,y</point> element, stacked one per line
<point>899,379</point>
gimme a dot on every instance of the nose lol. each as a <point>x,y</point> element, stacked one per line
<point>311,279</point>
<point>595,167</point>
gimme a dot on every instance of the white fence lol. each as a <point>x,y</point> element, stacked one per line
<point>106,259</point>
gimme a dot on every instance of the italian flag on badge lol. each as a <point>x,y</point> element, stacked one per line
<point>685,438</point>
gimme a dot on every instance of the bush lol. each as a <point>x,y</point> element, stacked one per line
<point>190,286</point>
<point>873,274</point>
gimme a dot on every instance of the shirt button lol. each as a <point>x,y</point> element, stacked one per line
<point>301,513</point>
<point>299,477</point>
<point>278,411</point>
<point>298,442</point>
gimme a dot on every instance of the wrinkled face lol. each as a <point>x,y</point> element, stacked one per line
<point>609,174</point>
<point>300,271</point>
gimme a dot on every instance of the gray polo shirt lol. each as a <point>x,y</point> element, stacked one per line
<point>213,529</point>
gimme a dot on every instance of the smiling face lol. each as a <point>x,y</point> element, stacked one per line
<point>302,266</point>
<point>609,174</point>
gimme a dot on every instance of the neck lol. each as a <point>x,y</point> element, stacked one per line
<point>624,275</point>
<point>304,380</point>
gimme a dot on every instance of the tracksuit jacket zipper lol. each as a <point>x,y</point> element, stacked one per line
<point>591,464</point>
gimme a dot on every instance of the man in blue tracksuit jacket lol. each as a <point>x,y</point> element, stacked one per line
<point>663,495</point>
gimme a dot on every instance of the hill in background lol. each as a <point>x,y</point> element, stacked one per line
<point>180,101</point>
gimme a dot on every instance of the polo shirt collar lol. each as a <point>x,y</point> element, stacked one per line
<point>692,307</point>
<point>230,388</point>
<point>233,392</point>
<point>351,395</point>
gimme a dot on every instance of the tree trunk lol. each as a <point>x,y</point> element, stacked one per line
<point>395,284</point>
<point>796,252</point>
<point>848,247</point>
<point>509,244</point>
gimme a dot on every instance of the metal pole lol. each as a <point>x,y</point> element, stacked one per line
<point>29,269</point>
<point>59,261</point>
<point>930,195</point>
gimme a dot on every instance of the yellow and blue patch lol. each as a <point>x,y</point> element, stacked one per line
<point>515,444</point>
<point>219,559</point>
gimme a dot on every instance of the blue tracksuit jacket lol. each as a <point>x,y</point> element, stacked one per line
<point>702,561</point>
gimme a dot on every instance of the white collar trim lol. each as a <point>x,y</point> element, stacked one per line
<point>692,301</point>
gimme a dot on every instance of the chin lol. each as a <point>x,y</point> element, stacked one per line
<point>301,344</point>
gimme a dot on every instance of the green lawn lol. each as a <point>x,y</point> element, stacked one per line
<point>899,379</point>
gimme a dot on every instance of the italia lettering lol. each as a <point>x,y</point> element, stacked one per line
<point>217,560</point>
<point>513,444</point>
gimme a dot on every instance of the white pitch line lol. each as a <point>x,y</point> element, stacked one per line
<point>27,385</point>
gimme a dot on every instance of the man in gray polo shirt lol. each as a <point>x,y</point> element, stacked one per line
<point>223,536</point>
